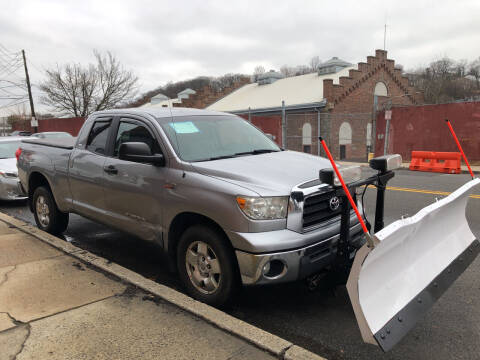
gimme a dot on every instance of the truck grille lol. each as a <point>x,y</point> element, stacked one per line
<point>316,210</point>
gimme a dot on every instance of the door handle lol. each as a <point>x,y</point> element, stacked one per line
<point>110,169</point>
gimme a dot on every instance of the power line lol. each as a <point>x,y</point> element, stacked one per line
<point>13,104</point>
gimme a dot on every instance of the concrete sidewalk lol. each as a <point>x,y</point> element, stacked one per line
<point>55,306</point>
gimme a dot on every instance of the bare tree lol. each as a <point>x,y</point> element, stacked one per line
<point>315,63</point>
<point>288,71</point>
<point>80,90</point>
<point>474,70</point>
<point>302,70</point>
<point>258,70</point>
<point>444,81</point>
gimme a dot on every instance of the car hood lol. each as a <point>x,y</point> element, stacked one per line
<point>9,165</point>
<point>270,174</point>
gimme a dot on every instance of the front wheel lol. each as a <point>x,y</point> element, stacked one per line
<point>206,265</point>
<point>47,215</point>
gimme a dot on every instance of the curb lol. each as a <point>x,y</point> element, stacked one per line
<point>264,340</point>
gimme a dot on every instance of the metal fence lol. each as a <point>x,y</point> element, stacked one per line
<point>350,136</point>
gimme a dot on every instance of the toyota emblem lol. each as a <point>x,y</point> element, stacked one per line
<point>334,203</point>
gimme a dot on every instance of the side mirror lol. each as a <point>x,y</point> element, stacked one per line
<point>139,152</point>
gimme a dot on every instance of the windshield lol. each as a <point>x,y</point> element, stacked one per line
<point>201,138</point>
<point>8,148</point>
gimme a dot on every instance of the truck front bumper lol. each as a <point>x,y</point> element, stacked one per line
<point>292,265</point>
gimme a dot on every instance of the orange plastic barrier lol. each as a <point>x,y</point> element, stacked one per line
<point>443,162</point>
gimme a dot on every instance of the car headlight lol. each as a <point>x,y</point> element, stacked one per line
<point>264,208</point>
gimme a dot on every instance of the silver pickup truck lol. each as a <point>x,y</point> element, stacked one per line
<point>224,202</point>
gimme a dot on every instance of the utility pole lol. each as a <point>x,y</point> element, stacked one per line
<point>284,126</point>
<point>34,121</point>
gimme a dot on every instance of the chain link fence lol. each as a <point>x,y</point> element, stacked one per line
<point>349,136</point>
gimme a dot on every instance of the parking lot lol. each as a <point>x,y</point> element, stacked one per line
<point>323,321</point>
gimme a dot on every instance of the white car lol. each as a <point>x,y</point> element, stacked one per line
<point>10,188</point>
<point>52,135</point>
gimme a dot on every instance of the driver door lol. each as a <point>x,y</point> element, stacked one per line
<point>134,191</point>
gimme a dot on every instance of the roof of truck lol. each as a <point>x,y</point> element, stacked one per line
<point>160,112</point>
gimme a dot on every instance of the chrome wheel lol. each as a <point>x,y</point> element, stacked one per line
<point>203,267</point>
<point>43,211</point>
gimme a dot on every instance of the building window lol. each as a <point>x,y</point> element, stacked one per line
<point>307,134</point>
<point>307,149</point>
<point>345,134</point>
<point>380,89</point>
<point>344,139</point>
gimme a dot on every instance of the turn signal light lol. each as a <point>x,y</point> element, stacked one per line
<point>18,153</point>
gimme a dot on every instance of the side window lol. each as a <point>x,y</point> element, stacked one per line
<point>133,132</point>
<point>97,139</point>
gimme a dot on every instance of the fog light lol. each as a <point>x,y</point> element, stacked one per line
<point>274,269</point>
<point>266,268</point>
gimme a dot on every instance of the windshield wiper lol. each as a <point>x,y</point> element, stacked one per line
<point>256,152</point>
<point>221,157</point>
<point>253,152</point>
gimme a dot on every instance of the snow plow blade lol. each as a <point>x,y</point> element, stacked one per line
<point>414,261</point>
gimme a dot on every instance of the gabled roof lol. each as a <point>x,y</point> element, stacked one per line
<point>296,90</point>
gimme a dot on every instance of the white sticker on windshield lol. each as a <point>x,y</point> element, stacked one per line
<point>184,127</point>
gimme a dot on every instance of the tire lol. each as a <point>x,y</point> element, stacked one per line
<point>210,274</point>
<point>47,215</point>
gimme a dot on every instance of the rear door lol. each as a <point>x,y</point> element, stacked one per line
<point>86,171</point>
<point>134,191</point>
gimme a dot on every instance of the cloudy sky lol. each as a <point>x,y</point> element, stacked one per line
<point>174,40</point>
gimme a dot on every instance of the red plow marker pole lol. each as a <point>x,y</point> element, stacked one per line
<point>344,186</point>
<point>460,147</point>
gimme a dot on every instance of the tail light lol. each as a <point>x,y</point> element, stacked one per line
<point>18,152</point>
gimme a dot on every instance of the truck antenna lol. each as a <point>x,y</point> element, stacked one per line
<point>460,148</point>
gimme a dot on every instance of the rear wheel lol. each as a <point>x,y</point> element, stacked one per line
<point>47,215</point>
<point>206,265</point>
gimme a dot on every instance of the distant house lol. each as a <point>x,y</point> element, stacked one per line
<point>338,102</point>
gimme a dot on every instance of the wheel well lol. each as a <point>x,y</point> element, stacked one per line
<point>181,223</point>
<point>35,180</point>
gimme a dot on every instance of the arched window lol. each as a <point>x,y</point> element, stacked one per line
<point>344,138</point>
<point>345,134</point>
<point>380,89</point>
<point>307,138</point>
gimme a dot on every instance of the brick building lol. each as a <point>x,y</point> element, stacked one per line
<point>339,102</point>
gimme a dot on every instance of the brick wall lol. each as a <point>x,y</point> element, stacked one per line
<point>269,124</point>
<point>424,128</point>
<point>353,97</point>
<point>70,125</point>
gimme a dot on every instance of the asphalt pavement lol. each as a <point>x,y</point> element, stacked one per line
<point>322,320</point>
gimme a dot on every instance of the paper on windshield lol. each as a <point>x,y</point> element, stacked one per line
<point>184,127</point>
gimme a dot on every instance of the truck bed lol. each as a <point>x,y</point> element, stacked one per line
<point>65,143</point>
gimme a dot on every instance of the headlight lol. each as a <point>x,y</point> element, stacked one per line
<point>264,208</point>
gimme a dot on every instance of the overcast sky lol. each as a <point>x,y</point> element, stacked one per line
<point>175,40</point>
